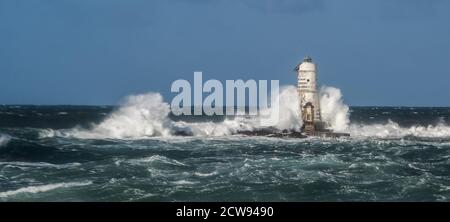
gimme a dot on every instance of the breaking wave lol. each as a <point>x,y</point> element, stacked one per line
<point>333,109</point>
<point>143,115</point>
<point>147,115</point>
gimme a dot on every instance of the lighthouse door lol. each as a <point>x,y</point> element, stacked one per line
<point>308,111</point>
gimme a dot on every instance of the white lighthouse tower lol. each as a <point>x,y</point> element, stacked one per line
<point>309,99</point>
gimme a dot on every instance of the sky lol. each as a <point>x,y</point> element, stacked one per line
<point>96,52</point>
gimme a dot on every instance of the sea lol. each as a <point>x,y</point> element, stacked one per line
<point>138,151</point>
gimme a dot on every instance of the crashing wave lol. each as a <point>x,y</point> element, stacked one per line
<point>333,109</point>
<point>147,115</point>
<point>143,115</point>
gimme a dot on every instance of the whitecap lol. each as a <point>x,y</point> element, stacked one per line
<point>43,188</point>
<point>184,182</point>
<point>4,139</point>
<point>47,133</point>
<point>156,158</point>
<point>393,130</point>
<point>205,174</point>
<point>40,164</point>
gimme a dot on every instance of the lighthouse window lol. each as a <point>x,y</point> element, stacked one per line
<point>307,80</point>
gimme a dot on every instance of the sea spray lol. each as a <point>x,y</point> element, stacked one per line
<point>287,115</point>
<point>334,111</point>
<point>144,115</point>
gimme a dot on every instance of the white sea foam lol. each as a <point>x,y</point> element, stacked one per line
<point>394,130</point>
<point>4,139</point>
<point>43,188</point>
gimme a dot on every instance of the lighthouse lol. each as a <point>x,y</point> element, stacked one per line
<point>309,101</point>
<point>309,98</point>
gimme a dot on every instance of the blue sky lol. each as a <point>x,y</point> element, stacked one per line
<point>384,52</point>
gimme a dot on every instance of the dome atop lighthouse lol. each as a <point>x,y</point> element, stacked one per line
<point>307,65</point>
<point>307,59</point>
